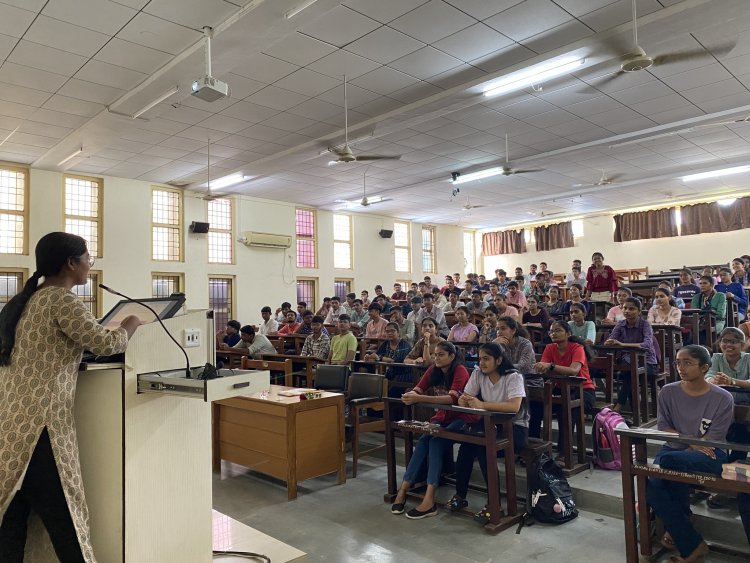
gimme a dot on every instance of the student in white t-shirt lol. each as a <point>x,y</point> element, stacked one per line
<point>495,385</point>
<point>269,324</point>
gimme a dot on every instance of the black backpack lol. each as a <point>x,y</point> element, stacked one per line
<point>549,498</point>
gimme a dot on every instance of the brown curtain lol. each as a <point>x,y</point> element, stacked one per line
<point>503,242</point>
<point>715,218</point>
<point>555,236</point>
<point>657,223</point>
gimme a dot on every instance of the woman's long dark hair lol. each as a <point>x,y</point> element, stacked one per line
<point>514,325</point>
<point>497,352</point>
<point>444,377</point>
<point>52,253</point>
<point>577,339</point>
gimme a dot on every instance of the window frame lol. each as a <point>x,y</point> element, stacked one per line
<point>97,278</point>
<point>313,238</point>
<point>233,295</point>
<point>316,288</point>
<point>433,252</point>
<point>470,266</point>
<point>24,277</point>
<point>341,241</point>
<point>99,209</point>
<point>179,226</point>
<point>232,218</point>
<point>350,281</point>
<point>25,213</point>
<point>180,280</point>
<point>407,247</point>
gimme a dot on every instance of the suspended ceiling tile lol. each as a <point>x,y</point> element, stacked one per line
<point>248,112</point>
<point>90,92</point>
<point>263,68</point>
<point>150,31</point>
<point>276,98</point>
<point>384,11</point>
<point>14,21</point>
<point>65,36</point>
<point>132,56</point>
<point>384,45</point>
<point>103,16</point>
<point>528,18</point>
<point>43,115</point>
<point>46,58</point>
<point>106,74</point>
<point>617,13</point>
<point>340,26</point>
<point>192,13</point>
<point>481,9</point>
<point>384,80</point>
<point>426,62</point>
<point>473,42</point>
<point>23,95</point>
<point>72,105</point>
<point>432,21</point>
<point>565,34</point>
<point>307,82</point>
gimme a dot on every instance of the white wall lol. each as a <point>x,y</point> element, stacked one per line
<point>656,254</point>
<point>263,276</point>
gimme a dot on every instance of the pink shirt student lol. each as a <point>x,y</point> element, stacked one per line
<point>516,297</point>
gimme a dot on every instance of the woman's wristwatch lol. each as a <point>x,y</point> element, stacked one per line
<point>552,367</point>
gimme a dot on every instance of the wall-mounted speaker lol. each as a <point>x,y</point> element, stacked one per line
<point>384,233</point>
<point>199,228</point>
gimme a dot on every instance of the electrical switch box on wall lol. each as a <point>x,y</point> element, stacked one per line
<point>191,337</point>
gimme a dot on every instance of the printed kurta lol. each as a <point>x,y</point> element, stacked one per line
<point>37,389</point>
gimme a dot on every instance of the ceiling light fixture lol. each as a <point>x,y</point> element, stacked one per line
<point>296,10</point>
<point>159,100</point>
<point>67,158</point>
<point>533,75</point>
<point>9,136</point>
<point>463,178</point>
<point>727,202</point>
<point>229,180</point>
<point>716,173</point>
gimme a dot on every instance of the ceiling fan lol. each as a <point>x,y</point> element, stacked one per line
<point>210,195</point>
<point>637,59</point>
<point>603,181</point>
<point>508,170</point>
<point>365,201</point>
<point>468,206</point>
<point>345,154</point>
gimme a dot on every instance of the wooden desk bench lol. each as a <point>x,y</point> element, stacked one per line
<point>499,519</point>
<point>638,379</point>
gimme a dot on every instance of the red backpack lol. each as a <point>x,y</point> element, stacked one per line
<point>606,442</point>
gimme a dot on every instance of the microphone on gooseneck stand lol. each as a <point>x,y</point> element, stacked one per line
<point>156,315</point>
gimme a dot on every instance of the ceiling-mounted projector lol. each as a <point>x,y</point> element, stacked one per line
<point>208,88</point>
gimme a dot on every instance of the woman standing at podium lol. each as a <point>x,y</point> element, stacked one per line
<point>43,331</point>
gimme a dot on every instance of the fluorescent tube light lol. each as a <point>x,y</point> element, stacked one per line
<point>727,202</point>
<point>229,180</point>
<point>533,75</point>
<point>297,9</point>
<point>67,158</point>
<point>716,173</point>
<point>463,178</point>
<point>159,100</point>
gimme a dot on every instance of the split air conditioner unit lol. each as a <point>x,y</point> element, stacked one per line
<point>266,240</point>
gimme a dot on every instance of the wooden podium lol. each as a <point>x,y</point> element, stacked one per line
<point>146,456</point>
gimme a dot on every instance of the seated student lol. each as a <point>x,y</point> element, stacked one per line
<point>579,326</point>
<point>515,297</point>
<point>710,300</point>
<point>228,337</point>
<point>687,288</point>
<point>445,382</point>
<point>601,280</point>
<point>614,315</point>
<point>488,333</point>
<point>429,310</point>
<point>514,340</point>
<point>290,324</point>
<point>575,294</point>
<point>317,344</point>
<point>482,284</point>
<point>348,305</point>
<point>523,286</point>
<point>575,275</point>
<point>477,304</point>
<point>536,316</point>
<point>734,291</point>
<point>532,273</point>
<point>503,309</point>
<point>325,307</point>
<point>413,286</point>
<point>547,272</point>
<point>463,330</point>
<point>364,295</point>
<point>438,297</point>
<point>406,307</point>
<point>567,355</point>
<point>375,327</point>
<point>664,311</point>
<point>393,350</point>
<point>398,294</point>
<point>429,284</point>
<point>255,344</point>
<point>632,332</point>
<point>494,290</point>
<point>695,408</point>
<point>423,351</point>
<point>282,311</point>
<point>555,305</point>
<point>359,316</point>
<point>301,308</point>
<point>407,329</point>
<point>335,311</point>
<point>495,385</point>
<point>343,344</point>
<point>678,301</point>
<point>378,291</point>
<point>306,326</point>
<point>501,281</point>
<point>416,307</point>
<point>740,272</point>
<point>453,302</point>
<point>457,279</point>
<point>468,290</point>
<point>269,324</point>
<point>385,306</point>
<point>709,271</point>
<point>541,288</point>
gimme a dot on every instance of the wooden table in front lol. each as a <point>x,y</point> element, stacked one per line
<point>283,437</point>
